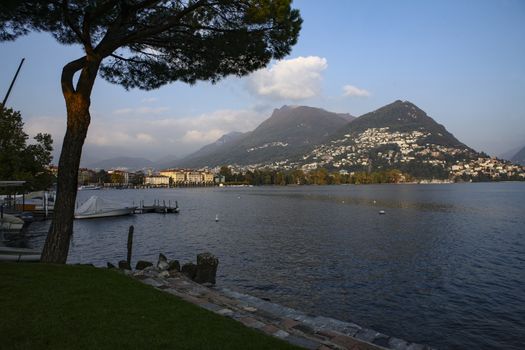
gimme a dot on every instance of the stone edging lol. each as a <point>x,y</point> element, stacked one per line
<point>296,327</point>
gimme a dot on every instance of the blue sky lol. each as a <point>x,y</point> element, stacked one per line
<point>463,62</point>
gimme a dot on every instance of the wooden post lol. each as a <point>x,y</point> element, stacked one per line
<point>130,244</point>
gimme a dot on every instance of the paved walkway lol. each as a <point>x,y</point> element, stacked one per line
<point>298,328</point>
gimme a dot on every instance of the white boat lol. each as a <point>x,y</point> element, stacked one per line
<point>96,207</point>
<point>10,222</point>
<point>89,187</point>
<point>19,254</point>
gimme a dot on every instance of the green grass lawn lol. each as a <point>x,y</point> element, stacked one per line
<point>81,307</point>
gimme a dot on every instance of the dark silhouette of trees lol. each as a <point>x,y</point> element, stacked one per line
<point>20,161</point>
<point>144,44</point>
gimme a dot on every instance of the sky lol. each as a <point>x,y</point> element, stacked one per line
<point>462,62</point>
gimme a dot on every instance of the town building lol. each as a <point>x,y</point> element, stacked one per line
<point>188,177</point>
<point>157,181</point>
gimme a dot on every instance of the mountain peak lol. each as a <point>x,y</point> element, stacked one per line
<point>304,116</point>
<point>403,116</point>
<point>287,132</point>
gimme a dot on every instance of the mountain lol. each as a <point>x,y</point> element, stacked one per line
<point>519,157</point>
<point>403,116</point>
<point>347,116</point>
<point>217,146</point>
<point>509,153</point>
<point>130,163</point>
<point>289,131</point>
<point>165,162</point>
<point>397,136</point>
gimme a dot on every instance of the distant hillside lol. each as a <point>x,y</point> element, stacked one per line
<point>165,162</point>
<point>519,157</point>
<point>130,163</point>
<point>289,131</point>
<point>218,146</point>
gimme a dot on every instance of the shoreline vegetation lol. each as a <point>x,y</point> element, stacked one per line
<point>48,306</point>
<point>321,176</point>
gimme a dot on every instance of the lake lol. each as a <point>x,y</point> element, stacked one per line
<point>444,266</point>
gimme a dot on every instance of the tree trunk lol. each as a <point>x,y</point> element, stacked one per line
<point>57,243</point>
<point>77,101</point>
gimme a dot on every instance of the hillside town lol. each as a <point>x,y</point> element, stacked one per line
<point>379,148</point>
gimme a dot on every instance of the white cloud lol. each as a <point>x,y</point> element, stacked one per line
<point>146,138</point>
<point>45,124</point>
<point>149,100</point>
<point>141,111</point>
<point>296,79</point>
<point>351,91</point>
<point>107,137</point>
<point>149,137</point>
<point>197,136</point>
<point>226,119</point>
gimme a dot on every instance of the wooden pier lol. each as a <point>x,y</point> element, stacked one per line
<point>157,207</point>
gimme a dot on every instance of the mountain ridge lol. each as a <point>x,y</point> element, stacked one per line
<point>519,157</point>
<point>288,131</point>
<point>299,125</point>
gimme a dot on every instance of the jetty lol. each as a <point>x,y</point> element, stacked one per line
<point>158,207</point>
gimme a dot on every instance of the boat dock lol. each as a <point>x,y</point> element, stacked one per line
<point>157,207</point>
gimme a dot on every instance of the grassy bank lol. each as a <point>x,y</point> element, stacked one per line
<point>74,307</point>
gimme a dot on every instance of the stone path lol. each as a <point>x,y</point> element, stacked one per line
<point>298,328</point>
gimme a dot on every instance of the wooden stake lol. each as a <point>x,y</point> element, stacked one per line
<point>130,243</point>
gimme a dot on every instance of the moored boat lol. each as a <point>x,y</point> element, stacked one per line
<point>10,222</point>
<point>89,187</point>
<point>96,207</point>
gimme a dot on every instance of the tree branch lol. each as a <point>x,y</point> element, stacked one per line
<point>68,72</point>
<point>156,29</point>
<point>69,22</point>
<point>126,59</point>
<point>103,8</point>
<point>143,5</point>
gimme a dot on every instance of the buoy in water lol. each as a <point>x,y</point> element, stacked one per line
<point>217,218</point>
<point>382,212</point>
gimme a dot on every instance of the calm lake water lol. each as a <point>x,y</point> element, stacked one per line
<point>444,266</point>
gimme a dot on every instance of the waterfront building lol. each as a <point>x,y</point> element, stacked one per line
<point>177,176</point>
<point>207,177</point>
<point>157,180</point>
<point>194,177</point>
<point>188,177</point>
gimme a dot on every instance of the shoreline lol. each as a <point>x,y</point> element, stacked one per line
<point>291,325</point>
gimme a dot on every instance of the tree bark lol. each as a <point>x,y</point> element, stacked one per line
<point>77,100</point>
